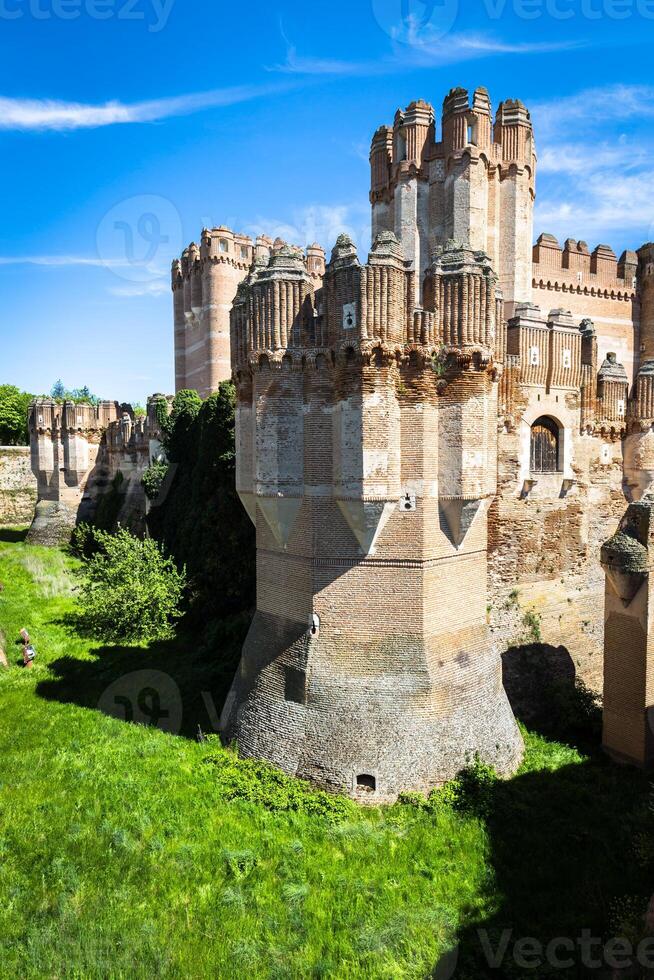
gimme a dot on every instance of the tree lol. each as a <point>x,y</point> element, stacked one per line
<point>201,521</point>
<point>131,590</point>
<point>181,432</point>
<point>78,395</point>
<point>14,408</point>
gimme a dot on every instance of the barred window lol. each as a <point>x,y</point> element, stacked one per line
<point>545,446</point>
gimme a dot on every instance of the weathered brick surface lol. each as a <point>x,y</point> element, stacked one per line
<point>17,485</point>
<point>628,648</point>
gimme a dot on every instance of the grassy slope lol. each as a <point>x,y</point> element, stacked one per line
<point>120,855</point>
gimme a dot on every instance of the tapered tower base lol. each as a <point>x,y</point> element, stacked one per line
<point>369,732</point>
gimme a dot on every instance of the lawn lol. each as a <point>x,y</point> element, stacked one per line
<point>130,851</point>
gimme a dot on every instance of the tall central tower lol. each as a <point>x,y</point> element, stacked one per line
<point>366,447</point>
<point>476,185</point>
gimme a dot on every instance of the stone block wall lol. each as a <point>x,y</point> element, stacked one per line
<point>17,486</point>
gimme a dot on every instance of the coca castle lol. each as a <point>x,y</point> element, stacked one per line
<point>433,443</point>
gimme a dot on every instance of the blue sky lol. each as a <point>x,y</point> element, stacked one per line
<point>127,125</point>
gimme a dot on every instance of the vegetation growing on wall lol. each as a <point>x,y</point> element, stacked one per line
<point>200,519</point>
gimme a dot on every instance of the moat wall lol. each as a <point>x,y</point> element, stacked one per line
<point>17,486</point>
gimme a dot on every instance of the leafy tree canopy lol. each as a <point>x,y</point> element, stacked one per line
<point>14,406</point>
<point>201,520</point>
<point>130,589</point>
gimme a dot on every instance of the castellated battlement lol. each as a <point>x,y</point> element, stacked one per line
<point>467,127</point>
<point>77,450</point>
<point>472,182</point>
<point>278,309</point>
<point>205,280</point>
<point>575,268</point>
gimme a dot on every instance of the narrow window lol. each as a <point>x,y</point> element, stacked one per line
<point>534,356</point>
<point>567,359</point>
<point>223,245</point>
<point>620,409</point>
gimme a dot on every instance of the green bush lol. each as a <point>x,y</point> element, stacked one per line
<point>262,784</point>
<point>471,792</point>
<point>130,589</point>
<point>153,478</point>
<point>82,541</point>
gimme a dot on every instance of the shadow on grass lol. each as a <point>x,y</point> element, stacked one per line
<point>178,685</point>
<point>546,695</point>
<point>562,854</point>
<point>13,535</point>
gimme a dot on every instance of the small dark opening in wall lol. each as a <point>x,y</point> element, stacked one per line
<point>367,783</point>
<point>295,686</point>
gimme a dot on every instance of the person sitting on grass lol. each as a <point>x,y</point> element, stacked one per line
<point>29,653</point>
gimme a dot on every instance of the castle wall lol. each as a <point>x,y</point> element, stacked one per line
<point>595,286</point>
<point>77,452</point>
<point>544,544</point>
<point>17,486</point>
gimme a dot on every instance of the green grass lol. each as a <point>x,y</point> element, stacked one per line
<point>126,851</point>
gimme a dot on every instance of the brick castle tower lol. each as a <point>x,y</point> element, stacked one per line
<point>366,447</point>
<point>204,283</point>
<point>475,185</point>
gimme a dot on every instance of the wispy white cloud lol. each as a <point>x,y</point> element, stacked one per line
<point>574,158</point>
<point>594,108</point>
<point>427,54</point>
<point>50,114</point>
<point>321,223</point>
